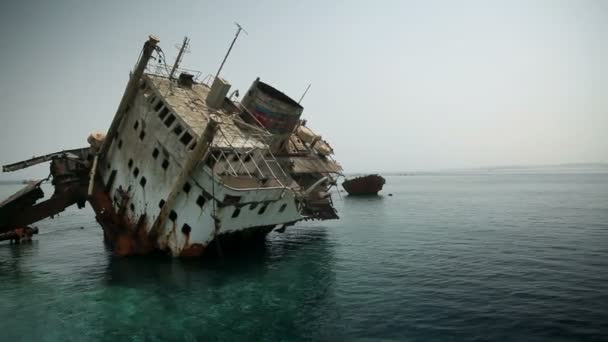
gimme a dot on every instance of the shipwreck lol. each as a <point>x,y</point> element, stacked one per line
<point>185,164</point>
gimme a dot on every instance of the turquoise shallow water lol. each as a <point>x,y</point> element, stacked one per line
<point>501,257</point>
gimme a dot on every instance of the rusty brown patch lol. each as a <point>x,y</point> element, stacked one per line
<point>193,250</point>
<point>124,236</point>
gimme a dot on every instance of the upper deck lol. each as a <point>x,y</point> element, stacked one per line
<point>190,105</point>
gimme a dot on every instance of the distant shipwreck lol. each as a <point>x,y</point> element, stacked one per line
<point>364,185</point>
<point>184,165</point>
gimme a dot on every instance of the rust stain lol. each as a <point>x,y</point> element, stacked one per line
<point>193,250</point>
<point>124,236</point>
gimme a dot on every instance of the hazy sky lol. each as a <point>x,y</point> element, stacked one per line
<point>403,85</point>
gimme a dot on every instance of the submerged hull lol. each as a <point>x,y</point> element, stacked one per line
<point>366,185</point>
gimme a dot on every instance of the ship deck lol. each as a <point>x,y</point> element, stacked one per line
<point>190,105</point>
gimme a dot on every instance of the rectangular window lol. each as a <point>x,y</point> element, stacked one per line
<point>186,138</point>
<point>173,215</point>
<point>236,212</point>
<point>163,113</point>
<point>170,120</point>
<point>200,201</point>
<point>178,130</point>
<point>158,106</point>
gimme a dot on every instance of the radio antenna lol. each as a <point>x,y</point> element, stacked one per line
<point>305,91</point>
<point>238,31</point>
<point>180,55</point>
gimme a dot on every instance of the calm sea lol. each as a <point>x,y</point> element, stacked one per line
<point>485,257</point>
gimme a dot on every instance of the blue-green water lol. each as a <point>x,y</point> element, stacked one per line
<point>501,257</point>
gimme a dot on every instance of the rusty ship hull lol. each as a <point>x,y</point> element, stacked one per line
<point>183,165</point>
<point>364,185</point>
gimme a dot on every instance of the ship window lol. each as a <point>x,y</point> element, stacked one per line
<point>161,204</point>
<point>136,124</point>
<point>186,229</point>
<point>136,172</point>
<point>253,206</point>
<point>152,99</point>
<point>119,144</point>
<point>262,209</point>
<point>173,215</point>
<point>247,158</point>
<point>178,130</point>
<point>230,199</point>
<point>158,106</point>
<point>130,163</point>
<point>282,208</point>
<point>186,138</point>
<point>236,212</point>
<point>142,135</point>
<point>165,164</point>
<point>235,157</point>
<point>163,113</point>
<point>142,182</point>
<point>132,207</point>
<point>170,120</point>
<point>155,153</point>
<point>187,187</point>
<point>200,201</point>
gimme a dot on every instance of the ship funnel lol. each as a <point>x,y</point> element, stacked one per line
<point>217,93</point>
<point>267,106</point>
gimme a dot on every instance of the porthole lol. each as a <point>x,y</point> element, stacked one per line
<point>136,124</point>
<point>142,135</point>
<point>130,164</point>
<point>161,204</point>
<point>136,172</point>
<point>142,182</point>
<point>155,153</point>
<point>187,187</point>
<point>165,164</point>
<point>186,229</point>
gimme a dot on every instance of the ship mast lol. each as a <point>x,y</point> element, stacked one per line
<point>238,31</point>
<point>179,56</point>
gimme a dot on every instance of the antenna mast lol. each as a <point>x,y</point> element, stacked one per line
<point>305,91</point>
<point>180,55</point>
<point>238,31</point>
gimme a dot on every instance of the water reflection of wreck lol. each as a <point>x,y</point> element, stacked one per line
<point>183,164</point>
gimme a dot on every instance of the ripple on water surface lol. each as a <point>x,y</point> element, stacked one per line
<point>466,257</point>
